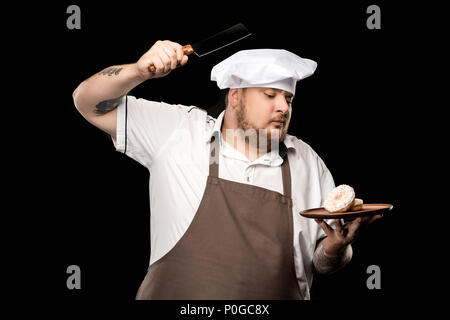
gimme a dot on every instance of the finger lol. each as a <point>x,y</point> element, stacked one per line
<point>165,60</point>
<point>338,224</point>
<point>369,219</point>
<point>374,218</point>
<point>325,227</point>
<point>353,227</point>
<point>184,60</point>
<point>157,63</point>
<point>172,54</point>
<point>173,44</point>
<point>179,50</point>
<point>171,51</point>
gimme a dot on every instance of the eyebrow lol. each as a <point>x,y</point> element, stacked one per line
<point>285,93</point>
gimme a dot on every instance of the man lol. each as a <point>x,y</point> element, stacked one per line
<point>224,193</point>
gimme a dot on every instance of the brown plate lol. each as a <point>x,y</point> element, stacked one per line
<point>367,210</point>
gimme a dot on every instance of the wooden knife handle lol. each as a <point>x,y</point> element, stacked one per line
<point>187,50</point>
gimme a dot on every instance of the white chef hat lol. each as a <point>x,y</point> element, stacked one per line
<point>268,68</point>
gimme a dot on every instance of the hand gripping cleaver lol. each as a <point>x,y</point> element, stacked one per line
<point>215,42</point>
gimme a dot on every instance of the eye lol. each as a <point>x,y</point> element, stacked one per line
<point>289,99</point>
<point>269,95</point>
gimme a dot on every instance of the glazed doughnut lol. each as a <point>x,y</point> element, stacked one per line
<point>357,205</point>
<point>340,199</point>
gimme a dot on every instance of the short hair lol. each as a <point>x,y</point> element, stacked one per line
<point>225,93</point>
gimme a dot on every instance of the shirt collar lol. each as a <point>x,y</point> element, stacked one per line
<point>217,127</point>
<point>217,131</point>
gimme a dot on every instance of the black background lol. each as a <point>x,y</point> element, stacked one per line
<point>93,201</point>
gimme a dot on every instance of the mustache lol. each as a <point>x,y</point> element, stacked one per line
<point>281,119</point>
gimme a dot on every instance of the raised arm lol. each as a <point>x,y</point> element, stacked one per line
<point>98,97</point>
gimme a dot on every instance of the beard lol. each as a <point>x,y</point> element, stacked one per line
<point>270,135</point>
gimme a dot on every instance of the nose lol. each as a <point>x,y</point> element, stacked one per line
<point>282,105</point>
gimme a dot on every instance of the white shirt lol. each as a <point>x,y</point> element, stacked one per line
<point>172,141</point>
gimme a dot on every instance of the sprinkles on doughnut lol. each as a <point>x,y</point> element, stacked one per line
<point>340,199</point>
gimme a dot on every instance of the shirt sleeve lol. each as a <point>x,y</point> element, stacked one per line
<point>143,127</point>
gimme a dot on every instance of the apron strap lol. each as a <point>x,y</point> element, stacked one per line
<point>286,174</point>
<point>214,166</point>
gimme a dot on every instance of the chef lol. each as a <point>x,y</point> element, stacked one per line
<point>224,193</point>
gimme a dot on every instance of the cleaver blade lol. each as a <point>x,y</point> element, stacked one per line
<point>216,42</point>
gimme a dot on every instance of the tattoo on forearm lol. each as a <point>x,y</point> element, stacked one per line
<point>324,264</point>
<point>111,71</point>
<point>107,105</point>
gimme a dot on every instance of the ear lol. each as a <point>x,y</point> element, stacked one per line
<point>233,97</point>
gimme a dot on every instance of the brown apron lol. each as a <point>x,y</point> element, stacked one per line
<point>239,246</point>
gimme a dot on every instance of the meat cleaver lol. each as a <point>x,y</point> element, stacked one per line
<point>215,42</point>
